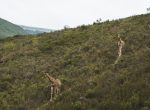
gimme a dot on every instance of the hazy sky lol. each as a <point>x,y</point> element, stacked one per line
<point>54,14</point>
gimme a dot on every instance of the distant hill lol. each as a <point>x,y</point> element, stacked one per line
<point>8,29</point>
<point>35,30</point>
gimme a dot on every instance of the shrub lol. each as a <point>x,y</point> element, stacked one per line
<point>9,45</point>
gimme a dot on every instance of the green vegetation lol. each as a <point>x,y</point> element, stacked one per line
<point>8,29</point>
<point>83,59</point>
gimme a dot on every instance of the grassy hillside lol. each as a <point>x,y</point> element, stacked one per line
<point>8,29</point>
<point>83,58</point>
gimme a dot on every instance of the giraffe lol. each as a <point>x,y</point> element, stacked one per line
<point>55,86</point>
<point>121,44</point>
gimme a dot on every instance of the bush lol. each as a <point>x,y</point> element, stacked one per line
<point>9,45</point>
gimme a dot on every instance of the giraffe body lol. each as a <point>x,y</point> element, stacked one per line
<point>121,44</point>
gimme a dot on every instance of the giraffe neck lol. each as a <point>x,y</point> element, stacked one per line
<point>51,78</point>
<point>55,82</point>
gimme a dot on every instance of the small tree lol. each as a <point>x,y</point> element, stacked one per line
<point>148,10</point>
<point>98,20</point>
<point>66,27</point>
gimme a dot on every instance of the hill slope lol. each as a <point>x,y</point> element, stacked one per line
<point>83,58</point>
<point>35,30</point>
<point>9,29</point>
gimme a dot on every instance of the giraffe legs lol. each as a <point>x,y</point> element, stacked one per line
<point>56,91</point>
<point>120,51</point>
<point>52,92</point>
<point>119,54</point>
